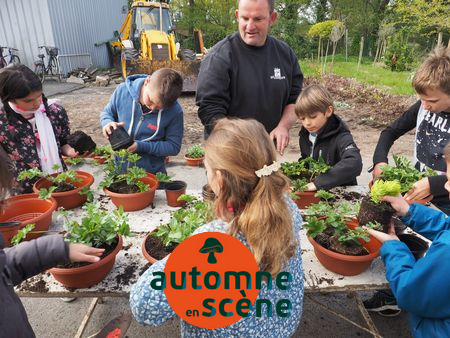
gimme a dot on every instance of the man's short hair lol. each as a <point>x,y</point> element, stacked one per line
<point>271,5</point>
<point>434,72</point>
<point>169,84</point>
<point>313,99</point>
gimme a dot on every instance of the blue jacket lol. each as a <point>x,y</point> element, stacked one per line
<point>422,287</point>
<point>157,134</point>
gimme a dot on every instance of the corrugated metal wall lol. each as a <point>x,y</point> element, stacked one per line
<point>79,25</point>
<point>25,25</point>
<point>74,26</point>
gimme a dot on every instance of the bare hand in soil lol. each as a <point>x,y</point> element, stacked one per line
<point>398,203</point>
<point>281,135</point>
<point>420,190</point>
<point>311,187</point>
<point>132,148</point>
<point>83,253</point>
<point>377,169</point>
<point>383,237</point>
<point>68,151</point>
<point>107,130</point>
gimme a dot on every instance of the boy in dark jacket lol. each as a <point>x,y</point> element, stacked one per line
<point>324,134</point>
<point>26,260</point>
<point>147,107</point>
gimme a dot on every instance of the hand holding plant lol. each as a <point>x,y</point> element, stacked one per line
<point>383,237</point>
<point>398,203</point>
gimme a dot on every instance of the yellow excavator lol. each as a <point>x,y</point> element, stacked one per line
<point>147,43</point>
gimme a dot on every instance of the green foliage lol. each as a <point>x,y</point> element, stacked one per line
<point>308,167</point>
<point>323,29</point>
<point>374,225</point>
<point>382,188</point>
<point>196,151</point>
<point>97,226</point>
<point>73,160</point>
<point>299,185</point>
<point>118,168</point>
<point>22,233</point>
<point>314,226</point>
<point>404,172</point>
<point>325,195</point>
<point>105,151</point>
<point>68,176</point>
<point>163,177</point>
<point>185,221</point>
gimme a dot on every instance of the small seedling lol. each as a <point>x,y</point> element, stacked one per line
<point>22,233</point>
<point>196,151</point>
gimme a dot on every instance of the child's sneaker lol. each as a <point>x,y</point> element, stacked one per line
<point>383,303</point>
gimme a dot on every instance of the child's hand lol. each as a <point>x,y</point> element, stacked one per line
<point>107,130</point>
<point>310,187</point>
<point>420,190</point>
<point>132,148</point>
<point>83,253</point>
<point>398,203</point>
<point>383,237</point>
<point>377,169</point>
<point>68,151</point>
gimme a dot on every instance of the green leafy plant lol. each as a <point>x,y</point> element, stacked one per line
<point>382,188</point>
<point>404,172</point>
<point>119,170</point>
<point>185,221</point>
<point>299,185</point>
<point>105,151</point>
<point>307,168</point>
<point>195,151</point>
<point>164,178</point>
<point>97,226</point>
<point>73,160</point>
<point>63,181</point>
<point>22,233</point>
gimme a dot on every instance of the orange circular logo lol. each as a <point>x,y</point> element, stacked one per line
<point>210,280</point>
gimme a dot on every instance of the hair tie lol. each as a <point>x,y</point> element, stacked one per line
<point>267,170</point>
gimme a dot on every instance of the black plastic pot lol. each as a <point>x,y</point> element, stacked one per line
<point>416,245</point>
<point>119,139</point>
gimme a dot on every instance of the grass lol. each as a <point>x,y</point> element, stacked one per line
<point>397,83</point>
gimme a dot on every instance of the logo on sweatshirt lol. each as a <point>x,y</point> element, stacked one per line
<point>152,126</point>
<point>277,74</point>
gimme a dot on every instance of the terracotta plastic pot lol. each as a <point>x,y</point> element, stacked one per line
<point>9,232</point>
<point>154,178</point>
<point>68,199</point>
<point>194,162</point>
<point>306,198</point>
<point>135,201</point>
<point>416,245</point>
<point>344,264</point>
<point>27,209</point>
<point>148,257</point>
<point>88,275</point>
<point>174,190</point>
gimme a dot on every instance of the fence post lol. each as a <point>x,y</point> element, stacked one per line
<point>361,48</point>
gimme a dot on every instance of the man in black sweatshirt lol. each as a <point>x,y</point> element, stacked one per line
<point>250,74</point>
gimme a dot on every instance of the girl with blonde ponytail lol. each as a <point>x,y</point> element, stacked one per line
<point>252,205</point>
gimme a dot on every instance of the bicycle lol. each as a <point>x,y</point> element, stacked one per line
<point>52,68</point>
<point>13,58</point>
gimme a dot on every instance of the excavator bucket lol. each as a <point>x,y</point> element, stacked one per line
<point>188,70</point>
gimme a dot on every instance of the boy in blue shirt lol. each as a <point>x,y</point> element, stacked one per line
<point>420,287</point>
<point>324,134</point>
<point>147,107</point>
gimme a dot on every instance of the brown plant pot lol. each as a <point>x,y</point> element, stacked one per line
<point>28,209</point>
<point>371,212</point>
<point>9,232</point>
<point>135,201</point>
<point>306,198</point>
<point>68,199</point>
<point>99,159</point>
<point>208,194</point>
<point>416,245</point>
<point>88,275</point>
<point>194,162</point>
<point>148,255</point>
<point>174,190</point>
<point>344,264</point>
<point>154,178</point>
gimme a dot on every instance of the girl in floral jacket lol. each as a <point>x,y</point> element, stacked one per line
<point>33,132</point>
